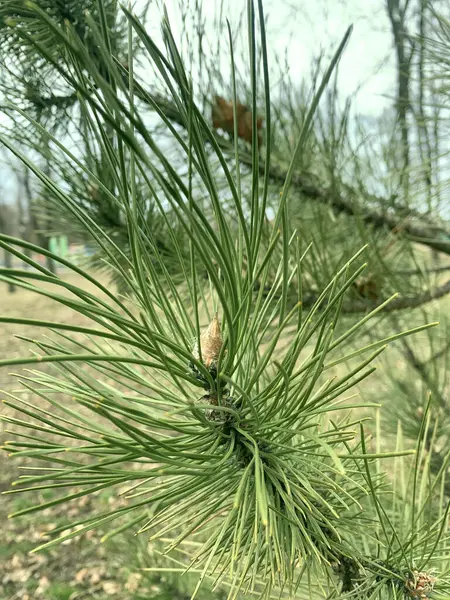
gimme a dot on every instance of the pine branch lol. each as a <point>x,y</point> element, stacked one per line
<point>433,236</point>
<point>422,370</point>
<point>406,302</point>
<point>56,101</point>
<point>219,433</point>
<point>426,271</point>
<point>399,303</point>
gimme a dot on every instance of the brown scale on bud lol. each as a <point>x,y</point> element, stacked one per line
<point>419,585</point>
<point>211,343</point>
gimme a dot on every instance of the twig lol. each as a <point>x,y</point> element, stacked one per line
<point>423,372</point>
<point>425,271</point>
<point>400,303</point>
<point>433,236</point>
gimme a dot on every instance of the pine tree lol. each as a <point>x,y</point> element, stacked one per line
<point>212,387</point>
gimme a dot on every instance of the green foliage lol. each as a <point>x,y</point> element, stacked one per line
<point>21,29</point>
<point>206,396</point>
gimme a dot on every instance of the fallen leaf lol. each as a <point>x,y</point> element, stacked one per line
<point>17,576</point>
<point>43,585</point>
<point>111,587</point>
<point>96,574</point>
<point>133,582</point>
<point>81,575</point>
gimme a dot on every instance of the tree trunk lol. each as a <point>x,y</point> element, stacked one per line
<point>422,121</point>
<point>44,240</point>
<point>404,51</point>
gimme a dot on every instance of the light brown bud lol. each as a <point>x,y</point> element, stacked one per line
<point>210,343</point>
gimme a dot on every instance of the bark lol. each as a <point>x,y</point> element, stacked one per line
<point>422,121</point>
<point>404,51</point>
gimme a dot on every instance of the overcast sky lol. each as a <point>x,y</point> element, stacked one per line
<point>303,27</point>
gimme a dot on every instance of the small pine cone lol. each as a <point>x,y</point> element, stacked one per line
<point>419,585</point>
<point>210,344</point>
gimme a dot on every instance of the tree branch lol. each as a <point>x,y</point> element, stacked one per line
<point>425,271</point>
<point>399,303</point>
<point>433,236</point>
<point>409,302</point>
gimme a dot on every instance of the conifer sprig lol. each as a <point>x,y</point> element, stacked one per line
<point>209,404</point>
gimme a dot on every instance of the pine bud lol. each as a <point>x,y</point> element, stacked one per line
<point>210,344</point>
